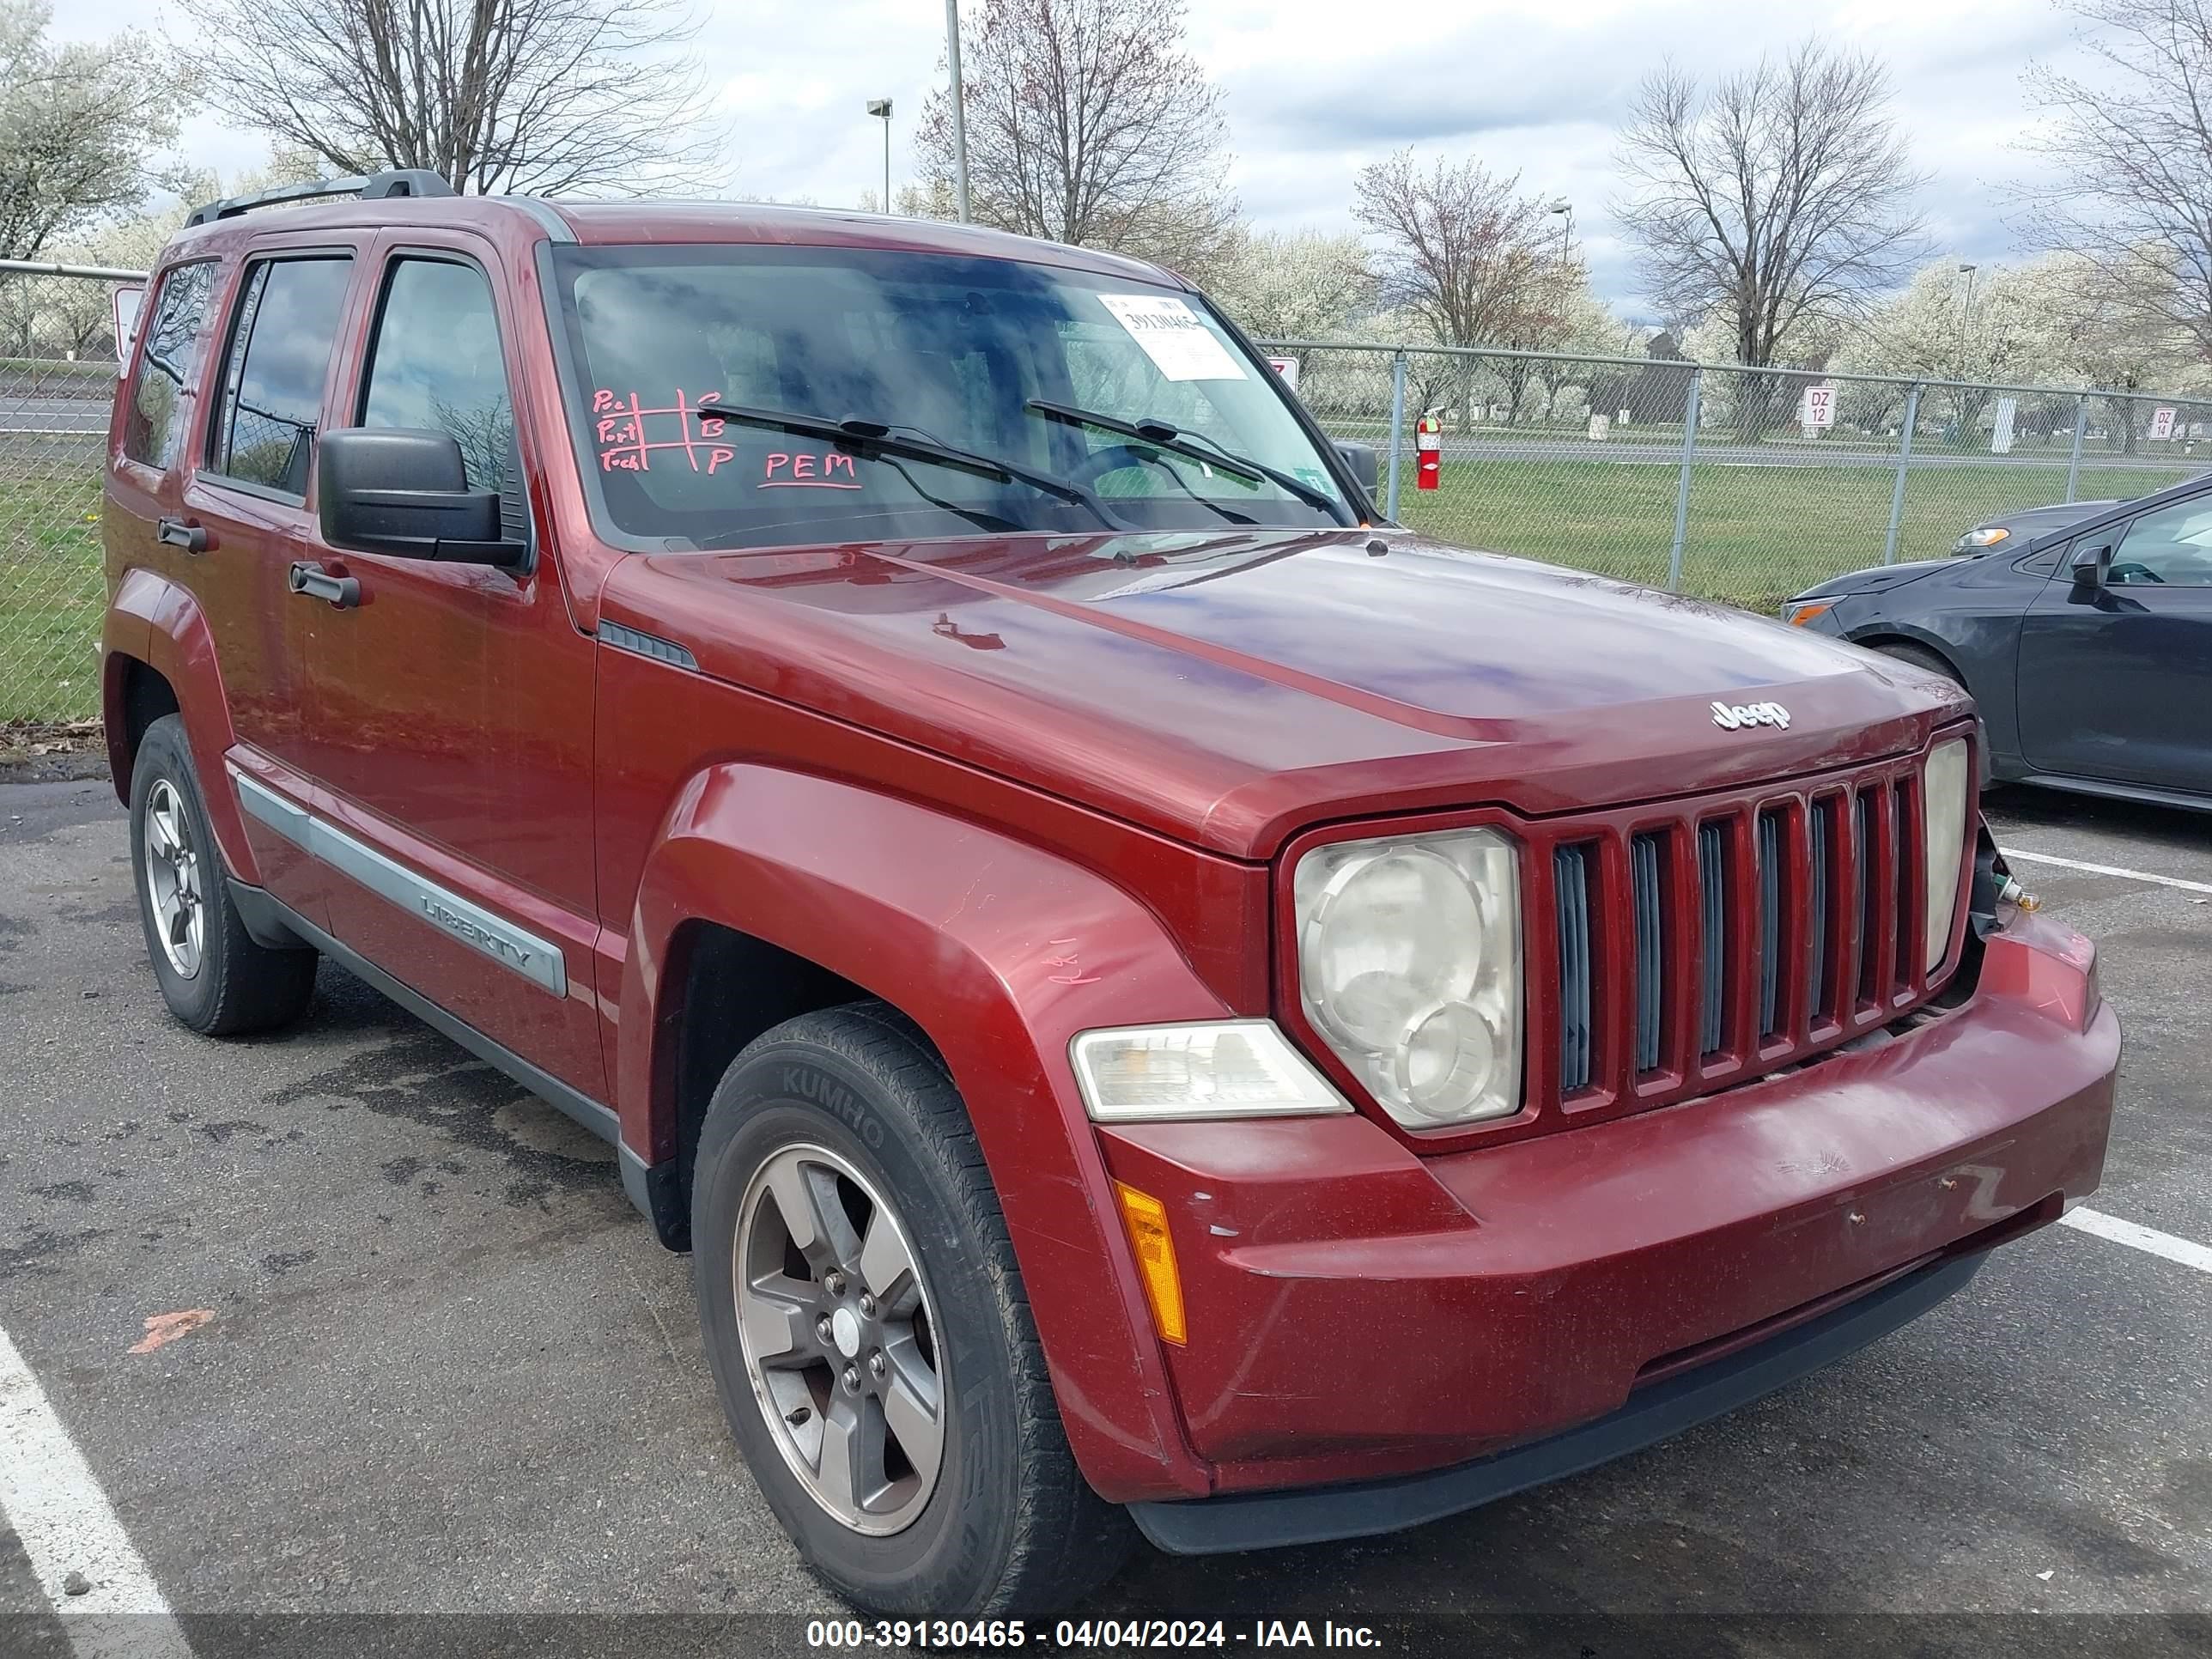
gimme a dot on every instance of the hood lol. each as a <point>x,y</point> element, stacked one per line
<point>2034,521</point>
<point>1229,689</point>
<point>1880,578</point>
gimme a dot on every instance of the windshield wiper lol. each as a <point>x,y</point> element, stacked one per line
<point>1165,435</point>
<point>878,435</point>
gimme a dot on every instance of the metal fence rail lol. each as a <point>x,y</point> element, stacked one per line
<point>1707,478</point>
<point>1736,484</point>
<point>56,383</point>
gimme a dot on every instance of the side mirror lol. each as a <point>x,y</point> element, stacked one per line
<point>1363,463</point>
<point>126,301</point>
<point>2089,565</point>
<point>403,491</point>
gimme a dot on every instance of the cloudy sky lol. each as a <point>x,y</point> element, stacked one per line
<point>1532,86</point>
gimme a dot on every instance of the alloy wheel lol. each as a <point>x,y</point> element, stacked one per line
<point>173,879</point>
<point>839,1339</point>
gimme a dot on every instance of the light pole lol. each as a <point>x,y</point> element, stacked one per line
<point>1966,317</point>
<point>1560,205</point>
<point>883,106</point>
<point>959,111</point>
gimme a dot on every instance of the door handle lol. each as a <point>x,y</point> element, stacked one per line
<point>175,532</point>
<point>316,583</point>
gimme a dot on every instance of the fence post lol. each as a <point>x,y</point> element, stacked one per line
<point>1903,460</point>
<point>2074,461</point>
<point>1682,487</point>
<point>1397,431</point>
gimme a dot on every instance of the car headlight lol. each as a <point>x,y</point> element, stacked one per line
<point>1222,1068</point>
<point>1975,540</point>
<point>1943,814</point>
<point>1409,968</point>
<point>1798,613</point>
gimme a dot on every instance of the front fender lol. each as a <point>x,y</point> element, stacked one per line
<point>153,621</point>
<point>1001,953</point>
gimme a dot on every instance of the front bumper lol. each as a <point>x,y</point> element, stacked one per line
<point>1311,1515</point>
<point>1358,1313</point>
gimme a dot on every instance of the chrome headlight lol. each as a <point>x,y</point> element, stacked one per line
<point>1409,968</point>
<point>1975,540</point>
<point>1943,814</point>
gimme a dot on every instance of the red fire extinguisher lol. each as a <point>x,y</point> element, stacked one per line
<point>1428,451</point>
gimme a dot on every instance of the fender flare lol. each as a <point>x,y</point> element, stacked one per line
<point>153,621</point>
<point>1001,953</point>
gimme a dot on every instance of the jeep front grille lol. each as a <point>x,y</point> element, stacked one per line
<point>1724,938</point>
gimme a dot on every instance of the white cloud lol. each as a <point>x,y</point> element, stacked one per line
<point>1528,87</point>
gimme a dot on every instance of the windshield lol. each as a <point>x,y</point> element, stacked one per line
<point>945,350</point>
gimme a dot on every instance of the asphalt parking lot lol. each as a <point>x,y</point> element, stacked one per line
<point>445,1370</point>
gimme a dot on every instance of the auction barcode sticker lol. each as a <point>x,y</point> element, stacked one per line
<point>1172,335</point>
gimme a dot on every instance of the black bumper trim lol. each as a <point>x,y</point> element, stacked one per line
<point>1316,1514</point>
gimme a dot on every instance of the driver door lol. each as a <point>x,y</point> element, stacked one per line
<point>2115,677</point>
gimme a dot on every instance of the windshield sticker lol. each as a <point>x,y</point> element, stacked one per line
<point>1181,346</point>
<point>627,433</point>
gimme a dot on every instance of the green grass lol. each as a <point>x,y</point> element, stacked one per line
<point>1754,535</point>
<point>51,594</point>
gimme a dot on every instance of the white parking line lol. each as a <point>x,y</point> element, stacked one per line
<point>2188,1254</point>
<point>2110,870</point>
<point>56,1509</point>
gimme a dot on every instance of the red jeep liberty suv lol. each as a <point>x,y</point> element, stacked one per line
<point>1089,937</point>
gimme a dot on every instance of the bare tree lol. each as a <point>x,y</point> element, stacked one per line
<point>80,127</point>
<point>1088,123</point>
<point>2130,187</point>
<point>1461,248</point>
<point>530,96</point>
<point>1463,251</point>
<point>1781,195</point>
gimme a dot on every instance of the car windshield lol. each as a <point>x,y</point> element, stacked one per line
<point>942,349</point>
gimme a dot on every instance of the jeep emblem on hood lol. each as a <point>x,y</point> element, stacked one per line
<point>1728,716</point>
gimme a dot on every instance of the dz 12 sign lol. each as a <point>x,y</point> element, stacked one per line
<point>1817,407</point>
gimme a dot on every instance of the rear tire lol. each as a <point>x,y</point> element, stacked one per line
<point>846,1120</point>
<point>216,979</point>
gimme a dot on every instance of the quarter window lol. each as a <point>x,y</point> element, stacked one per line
<point>279,356</point>
<point>2171,546</point>
<point>436,363</point>
<point>151,430</point>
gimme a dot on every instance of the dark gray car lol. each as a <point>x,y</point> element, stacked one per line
<point>2088,645</point>
<point>2008,532</point>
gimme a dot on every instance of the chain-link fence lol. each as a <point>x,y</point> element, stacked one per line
<point>57,382</point>
<point>1738,485</point>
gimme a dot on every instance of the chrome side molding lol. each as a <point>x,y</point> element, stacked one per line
<point>515,949</point>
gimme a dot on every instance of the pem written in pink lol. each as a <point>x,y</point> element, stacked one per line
<point>800,470</point>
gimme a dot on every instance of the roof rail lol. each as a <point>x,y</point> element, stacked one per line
<point>369,187</point>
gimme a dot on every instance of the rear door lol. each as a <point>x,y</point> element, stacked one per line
<point>2115,680</point>
<point>243,497</point>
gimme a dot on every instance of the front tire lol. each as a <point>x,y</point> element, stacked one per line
<point>870,1336</point>
<point>216,979</point>
<point>1931,662</point>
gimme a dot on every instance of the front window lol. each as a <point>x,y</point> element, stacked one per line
<point>942,351</point>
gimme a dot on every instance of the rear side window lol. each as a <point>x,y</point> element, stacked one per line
<point>436,363</point>
<point>155,426</point>
<point>273,374</point>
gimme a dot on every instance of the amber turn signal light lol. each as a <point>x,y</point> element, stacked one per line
<point>1146,1218</point>
<point>1801,614</point>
